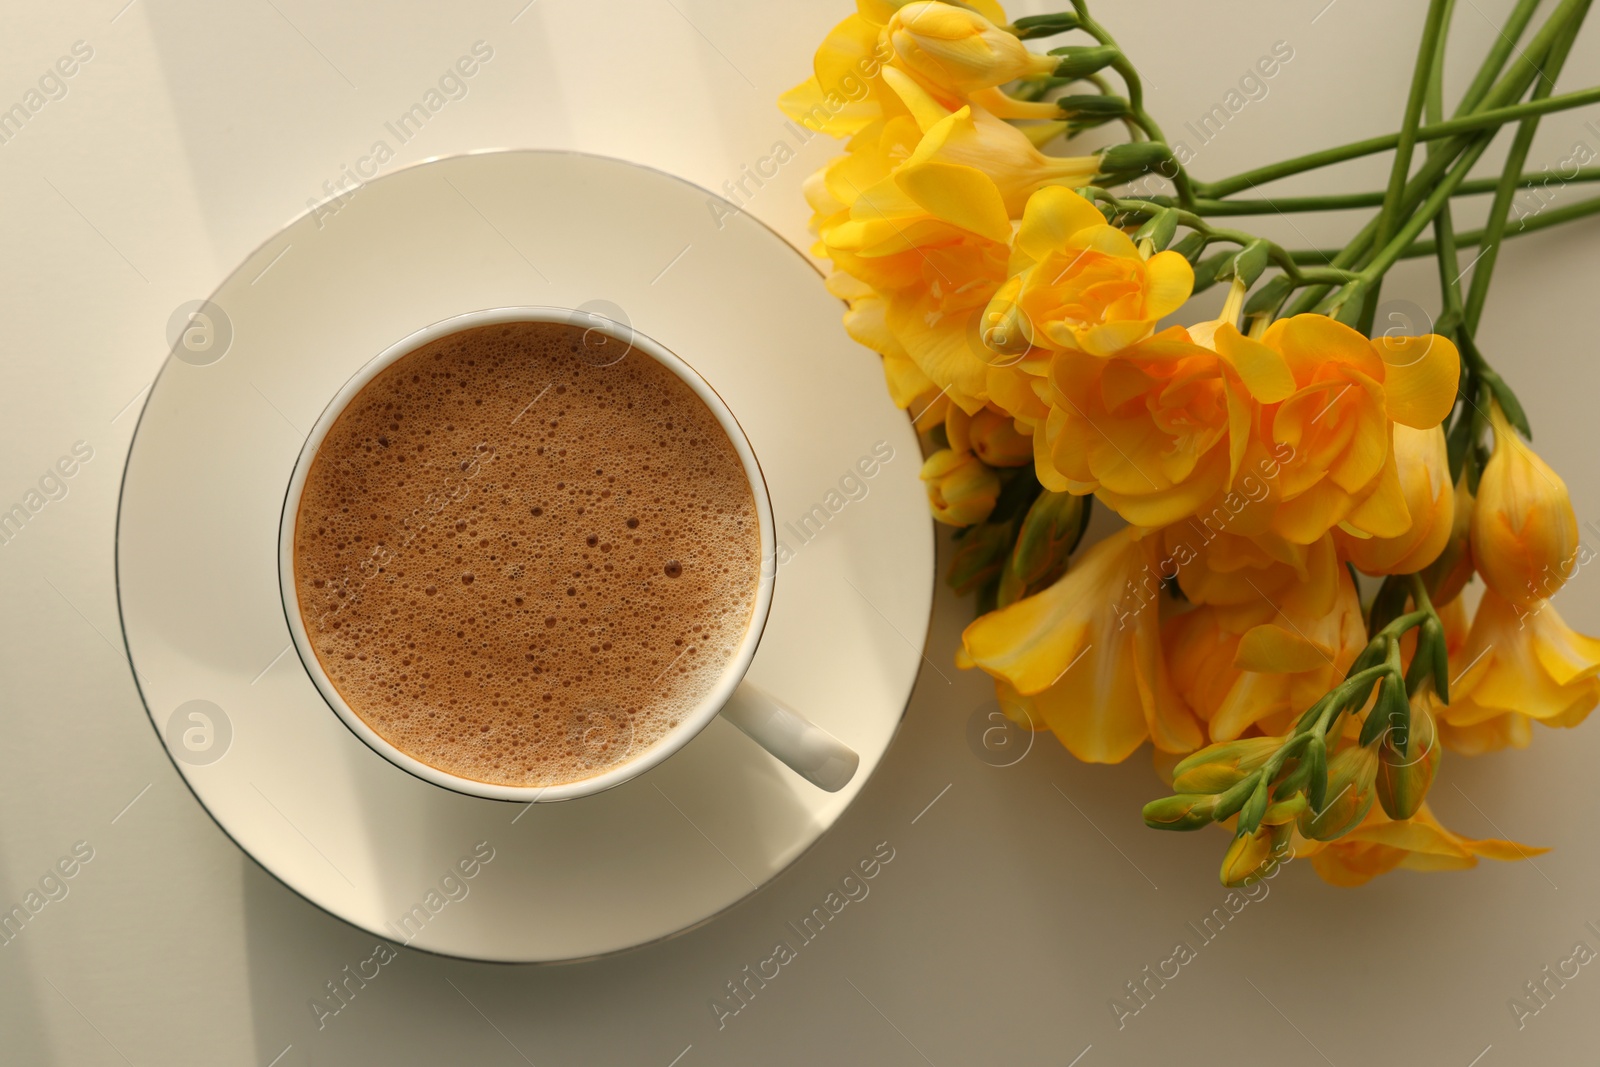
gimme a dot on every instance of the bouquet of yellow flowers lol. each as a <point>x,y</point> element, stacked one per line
<point>1282,613</point>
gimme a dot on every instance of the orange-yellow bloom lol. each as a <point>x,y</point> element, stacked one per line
<point>1509,730</point>
<point>1082,284</point>
<point>1085,657</point>
<point>1381,844</point>
<point>1424,472</point>
<point>1157,431</point>
<point>1261,663</point>
<point>962,490</point>
<point>1524,532</point>
<point>1337,424</point>
<point>1523,660</point>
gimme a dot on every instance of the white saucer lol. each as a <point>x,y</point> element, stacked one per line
<point>197,555</point>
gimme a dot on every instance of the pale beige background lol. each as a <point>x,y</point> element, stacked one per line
<point>1017,906</point>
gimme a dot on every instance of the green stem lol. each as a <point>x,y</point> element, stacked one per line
<point>1142,210</point>
<point>1444,231</point>
<point>1286,205</point>
<point>1493,117</point>
<point>1509,87</point>
<point>1500,210</point>
<point>1499,52</point>
<point>1581,209</point>
<point>1390,252</point>
<point>1432,25</point>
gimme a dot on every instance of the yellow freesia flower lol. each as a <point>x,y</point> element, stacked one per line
<point>1080,283</point>
<point>970,172</point>
<point>1510,730</point>
<point>1381,844</point>
<point>956,50</point>
<point>866,323</point>
<point>846,92</point>
<point>1336,426</point>
<point>1523,659</point>
<point>1423,467</point>
<point>1260,663</point>
<point>958,55</point>
<point>1083,657</point>
<point>1159,430</point>
<point>870,156</point>
<point>962,490</point>
<point>1524,532</point>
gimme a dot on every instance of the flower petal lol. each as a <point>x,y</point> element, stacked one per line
<point>1270,649</point>
<point>1052,216</point>
<point>1421,378</point>
<point>960,195</point>
<point>1264,371</point>
<point>1169,279</point>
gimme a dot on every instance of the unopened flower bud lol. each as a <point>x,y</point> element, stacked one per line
<point>1352,787</point>
<point>1408,762</point>
<point>1524,531</point>
<point>1003,327</point>
<point>1219,767</point>
<point>960,51</point>
<point>1049,533</point>
<point>995,439</point>
<point>962,489</point>
<point>1186,811</point>
<point>1251,857</point>
<point>1424,469</point>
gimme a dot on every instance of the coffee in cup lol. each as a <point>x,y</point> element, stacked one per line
<point>521,560</point>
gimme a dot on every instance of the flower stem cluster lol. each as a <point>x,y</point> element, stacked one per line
<point>1305,491</point>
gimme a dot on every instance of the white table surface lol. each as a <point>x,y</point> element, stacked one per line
<point>1015,908</point>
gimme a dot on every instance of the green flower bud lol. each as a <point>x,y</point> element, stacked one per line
<point>1316,758</point>
<point>1032,26</point>
<point>1219,767</point>
<point>1079,61</point>
<point>1286,811</point>
<point>1135,157</point>
<point>1191,245</point>
<point>1097,106</point>
<point>1247,264</point>
<point>1160,229</point>
<point>1267,298</point>
<point>1050,531</point>
<point>1255,808</point>
<point>1407,763</point>
<point>1352,781</point>
<point>1182,812</point>
<point>1391,711</point>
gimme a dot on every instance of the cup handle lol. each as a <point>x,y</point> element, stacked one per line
<point>805,748</point>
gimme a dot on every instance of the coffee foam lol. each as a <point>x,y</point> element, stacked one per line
<point>521,568</point>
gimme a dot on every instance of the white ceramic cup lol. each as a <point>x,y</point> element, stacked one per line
<point>807,749</point>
